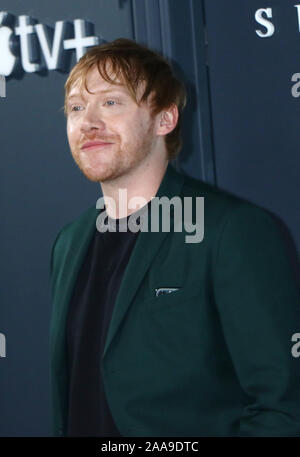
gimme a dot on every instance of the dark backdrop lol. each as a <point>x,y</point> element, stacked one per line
<point>240,132</point>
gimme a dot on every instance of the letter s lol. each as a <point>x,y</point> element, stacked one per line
<point>267,24</point>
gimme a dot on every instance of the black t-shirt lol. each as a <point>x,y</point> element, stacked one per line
<point>88,319</point>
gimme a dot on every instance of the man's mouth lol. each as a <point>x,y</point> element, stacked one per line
<point>94,145</point>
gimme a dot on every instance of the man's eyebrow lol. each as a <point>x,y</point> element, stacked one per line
<point>105,91</point>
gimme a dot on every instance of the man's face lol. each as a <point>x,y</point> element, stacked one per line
<point>109,134</point>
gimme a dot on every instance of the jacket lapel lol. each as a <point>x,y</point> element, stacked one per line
<point>146,246</point>
<point>70,260</point>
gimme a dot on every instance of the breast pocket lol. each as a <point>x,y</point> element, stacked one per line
<point>175,299</point>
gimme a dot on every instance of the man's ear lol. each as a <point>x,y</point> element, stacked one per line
<point>167,120</point>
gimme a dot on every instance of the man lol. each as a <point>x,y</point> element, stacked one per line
<point>152,335</point>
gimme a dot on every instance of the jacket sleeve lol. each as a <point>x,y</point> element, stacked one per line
<point>259,308</point>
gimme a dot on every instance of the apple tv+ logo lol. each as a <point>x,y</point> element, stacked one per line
<point>33,47</point>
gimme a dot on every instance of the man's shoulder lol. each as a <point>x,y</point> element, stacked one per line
<point>221,206</point>
<point>70,237</point>
<point>82,221</point>
<point>197,187</point>
<point>216,199</point>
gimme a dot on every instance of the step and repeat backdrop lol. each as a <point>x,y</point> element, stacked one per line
<point>253,50</point>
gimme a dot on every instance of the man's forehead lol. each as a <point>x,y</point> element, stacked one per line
<point>97,84</point>
<point>79,89</point>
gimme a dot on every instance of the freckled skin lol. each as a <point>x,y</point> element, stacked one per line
<point>122,122</point>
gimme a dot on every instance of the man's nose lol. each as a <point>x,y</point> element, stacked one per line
<point>92,119</point>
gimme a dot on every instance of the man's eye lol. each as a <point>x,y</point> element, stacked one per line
<point>76,108</point>
<point>110,102</point>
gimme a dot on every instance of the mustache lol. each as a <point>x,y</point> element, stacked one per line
<point>97,137</point>
<point>102,139</point>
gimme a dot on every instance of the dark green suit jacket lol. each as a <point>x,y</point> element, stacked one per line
<point>210,359</point>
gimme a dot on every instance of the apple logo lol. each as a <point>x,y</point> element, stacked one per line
<point>7,59</point>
